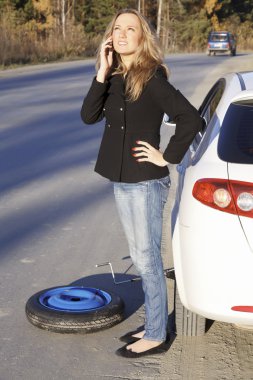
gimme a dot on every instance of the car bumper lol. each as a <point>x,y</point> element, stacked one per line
<point>212,278</point>
<point>222,50</point>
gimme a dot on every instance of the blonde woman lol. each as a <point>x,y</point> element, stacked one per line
<point>132,92</point>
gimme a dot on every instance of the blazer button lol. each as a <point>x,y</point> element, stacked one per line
<point>122,127</point>
<point>109,125</point>
<point>103,109</point>
<point>121,109</point>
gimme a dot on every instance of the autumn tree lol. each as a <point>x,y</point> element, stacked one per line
<point>42,30</point>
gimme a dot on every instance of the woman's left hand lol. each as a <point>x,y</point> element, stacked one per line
<point>149,153</point>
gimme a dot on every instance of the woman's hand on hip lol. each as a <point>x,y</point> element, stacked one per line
<point>148,153</point>
<point>106,59</point>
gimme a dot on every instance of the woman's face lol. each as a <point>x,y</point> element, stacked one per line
<point>127,34</point>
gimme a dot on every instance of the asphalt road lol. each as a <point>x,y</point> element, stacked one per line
<point>58,219</point>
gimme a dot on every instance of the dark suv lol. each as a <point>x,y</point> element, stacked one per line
<point>223,42</point>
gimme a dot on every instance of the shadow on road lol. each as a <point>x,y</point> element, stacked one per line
<point>45,146</point>
<point>32,78</point>
<point>130,292</point>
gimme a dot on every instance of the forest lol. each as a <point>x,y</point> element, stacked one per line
<point>33,31</point>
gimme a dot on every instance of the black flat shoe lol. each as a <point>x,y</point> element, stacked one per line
<point>161,349</point>
<point>129,338</point>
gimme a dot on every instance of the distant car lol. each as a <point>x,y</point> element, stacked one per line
<point>212,218</point>
<point>222,42</point>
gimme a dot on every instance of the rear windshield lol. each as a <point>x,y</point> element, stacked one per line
<point>218,37</point>
<point>236,135</point>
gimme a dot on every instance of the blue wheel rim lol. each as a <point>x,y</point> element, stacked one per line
<point>74,299</point>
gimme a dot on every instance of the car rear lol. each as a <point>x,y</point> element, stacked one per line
<point>220,42</point>
<point>215,226</point>
<point>239,155</point>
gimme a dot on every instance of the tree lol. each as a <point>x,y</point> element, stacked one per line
<point>212,7</point>
<point>159,16</point>
<point>44,15</point>
<point>98,14</point>
<point>33,30</point>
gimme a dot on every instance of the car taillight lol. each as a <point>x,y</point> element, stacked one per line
<point>234,197</point>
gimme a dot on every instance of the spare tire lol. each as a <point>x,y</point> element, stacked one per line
<point>72,309</point>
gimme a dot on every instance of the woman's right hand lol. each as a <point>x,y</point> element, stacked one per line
<point>106,59</point>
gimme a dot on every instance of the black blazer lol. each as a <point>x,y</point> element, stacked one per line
<point>127,122</point>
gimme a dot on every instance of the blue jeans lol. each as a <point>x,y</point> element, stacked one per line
<point>140,206</point>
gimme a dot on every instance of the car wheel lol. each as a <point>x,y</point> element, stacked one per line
<point>68,309</point>
<point>187,322</point>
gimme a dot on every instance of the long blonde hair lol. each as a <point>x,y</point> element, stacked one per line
<point>147,59</point>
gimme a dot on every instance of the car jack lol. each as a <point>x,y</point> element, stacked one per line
<point>169,273</point>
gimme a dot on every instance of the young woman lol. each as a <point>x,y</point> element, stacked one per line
<point>132,92</point>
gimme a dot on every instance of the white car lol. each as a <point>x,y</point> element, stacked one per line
<point>212,219</point>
